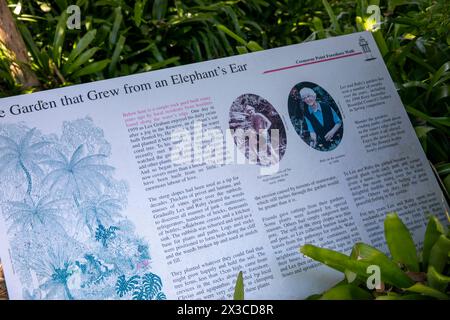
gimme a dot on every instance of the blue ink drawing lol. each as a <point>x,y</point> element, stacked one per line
<point>63,212</point>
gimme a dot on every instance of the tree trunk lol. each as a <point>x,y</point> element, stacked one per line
<point>16,49</point>
<point>3,293</point>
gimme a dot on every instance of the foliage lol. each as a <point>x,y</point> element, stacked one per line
<point>239,288</point>
<point>122,37</point>
<point>147,287</point>
<point>403,276</point>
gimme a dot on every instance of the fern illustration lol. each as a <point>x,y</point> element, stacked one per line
<point>161,296</point>
<point>147,287</point>
<point>104,234</point>
<point>124,286</point>
<point>151,284</point>
<point>23,156</point>
<point>29,214</point>
<point>99,211</point>
<point>139,293</point>
<point>96,269</point>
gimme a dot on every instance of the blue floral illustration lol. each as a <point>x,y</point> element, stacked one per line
<point>23,156</point>
<point>30,214</point>
<point>78,174</point>
<point>104,235</point>
<point>99,210</point>
<point>147,287</point>
<point>64,210</point>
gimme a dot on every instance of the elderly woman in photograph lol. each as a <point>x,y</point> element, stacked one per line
<point>322,121</point>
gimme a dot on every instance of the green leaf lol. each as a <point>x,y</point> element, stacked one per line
<point>432,233</point>
<point>241,49</point>
<point>161,64</point>
<point>425,290</point>
<point>437,280</point>
<point>439,253</point>
<point>138,11</point>
<point>333,19</point>
<point>441,92</point>
<point>346,292</point>
<point>366,256</point>
<point>253,46</point>
<point>159,9</point>
<point>239,288</point>
<point>92,68</point>
<point>58,41</point>
<point>443,169</point>
<point>422,131</point>
<point>230,33</point>
<point>390,272</point>
<point>445,121</point>
<point>82,59</point>
<point>84,42</point>
<point>403,297</point>
<point>318,27</point>
<point>116,26</point>
<point>37,56</point>
<point>116,54</point>
<point>400,242</point>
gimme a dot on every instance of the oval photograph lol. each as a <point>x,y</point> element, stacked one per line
<point>257,130</point>
<point>315,116</point>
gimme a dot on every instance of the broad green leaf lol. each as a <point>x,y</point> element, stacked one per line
<point>441,92</point>
<point>422,131</point>
<point>253,46</point>
<point>82,59</point>
<point>437,280</point>
<point>314,297</point>
<point>92,68</point>
<point>443,169</point>
<point>35,52</point>
<point>346,292</point>
<point>447,183</point>
<point>367,256</point>
<point>231,34</point>
<point>425,290</point>
<point>138,10</point>
<point>381,43</point>
<point>239,288</point>
<point>433,232</point>
<point>400,242</point>
<point>439,253</point>
<point>84,42</point>
<point>58,40</point>
<point>445,121</point>
<point>318,27</point>
<point>390,272</point>
<point>241,49</point>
